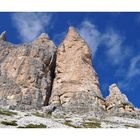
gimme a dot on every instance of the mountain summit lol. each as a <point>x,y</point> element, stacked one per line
<point>76,84</point>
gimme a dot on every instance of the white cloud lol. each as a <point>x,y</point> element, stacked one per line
<point>131,74</point>
<point>91,34</point>
<point>115,51</point>
<point>134,69</point>
<point>30,25</point>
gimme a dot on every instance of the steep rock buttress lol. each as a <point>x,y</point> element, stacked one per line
<point>76,86</point>
<point>26,72</point>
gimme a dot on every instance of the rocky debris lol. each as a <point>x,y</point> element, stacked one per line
<point>27,73</point>
<point>3,36</point>
<point>48,109</point>
<point>118,104</point>
<point>38,120</point>
<point>76,86</point>
<point>26,118</point>
<point>23,119</point>
<point>120,122</point>
<point>90,121</point>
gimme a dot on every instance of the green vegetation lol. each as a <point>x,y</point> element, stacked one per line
<point>132,126</point>
<point>43,115</point>
<point>89,124</point>
<point>38,114</point>
<point>7,113</point>
<point>26,115</point>
<point>68,123</point>
<point>92,125</point>
<point>12,123</point>
<point>33,126</point>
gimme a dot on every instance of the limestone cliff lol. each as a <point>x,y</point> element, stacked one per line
<point>76,85</point>
<point>26,72</point>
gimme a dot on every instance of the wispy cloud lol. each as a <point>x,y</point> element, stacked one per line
<point>91,34</point>
<point>134,69</point>
<point>30,25</point>
<point>132,74</point>
<point>115,52</point>
<point>113,42</point>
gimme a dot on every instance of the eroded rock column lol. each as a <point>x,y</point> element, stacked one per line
<point>76,84</point>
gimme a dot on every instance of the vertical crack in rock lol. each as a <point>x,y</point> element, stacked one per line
<point>76,86</point>
<point>52,75</point>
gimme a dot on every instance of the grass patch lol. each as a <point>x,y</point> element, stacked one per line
<point>92,125</point>
<point>132,126</point>
<point>68,123</point>
<point>7,113</point>
<point>38,114</point>
<point>33,126</point>
<point>43,115</point>
<point>12,123</point>
<point>26,115</point>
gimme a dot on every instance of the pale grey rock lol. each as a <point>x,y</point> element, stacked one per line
<point>119,105</point>
<point>48,109</point>
<point>38,120</point>
<point>3,36</point>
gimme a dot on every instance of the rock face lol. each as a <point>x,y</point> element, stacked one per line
<point>3,36</point>
<point>118,103</point>
<point>62,80</point>
<point>26,72</point>
<point>76,85</point>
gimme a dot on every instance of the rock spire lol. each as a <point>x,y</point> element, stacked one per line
<point>76,83</point>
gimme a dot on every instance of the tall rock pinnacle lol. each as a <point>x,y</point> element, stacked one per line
<point>72,34</point>
<point>76,83</point>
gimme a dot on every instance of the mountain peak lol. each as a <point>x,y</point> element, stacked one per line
<point>114,89</point>
<point>72,33</point>
<point>43,36</point>
<point>72,28</point>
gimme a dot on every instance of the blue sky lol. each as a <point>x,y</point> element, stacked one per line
<point>113,37</point>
